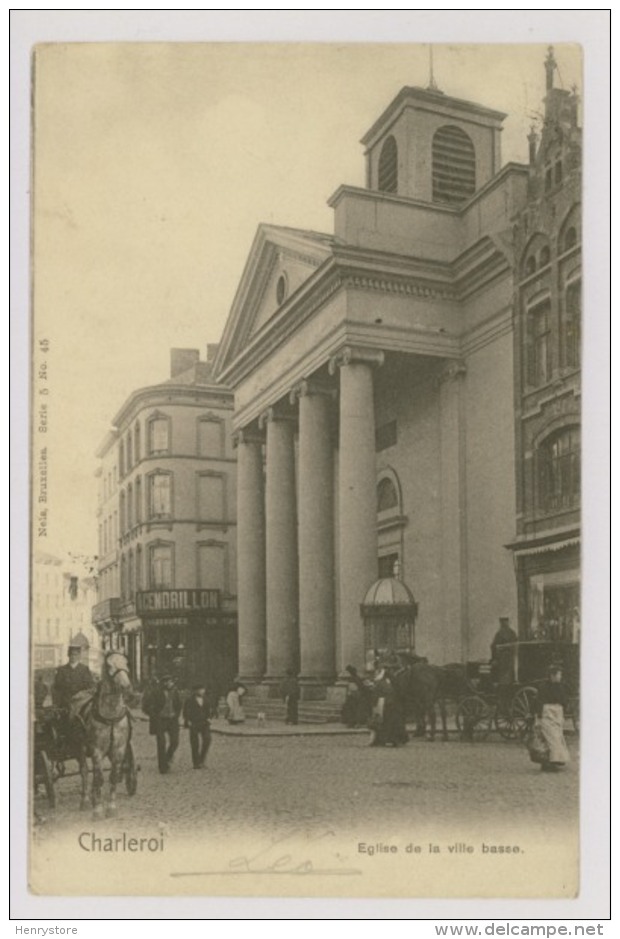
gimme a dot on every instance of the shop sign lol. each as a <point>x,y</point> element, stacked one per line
<point>174,601</point>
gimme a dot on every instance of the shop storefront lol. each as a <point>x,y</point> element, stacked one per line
<point>548,576</point>
<point>186,633</point>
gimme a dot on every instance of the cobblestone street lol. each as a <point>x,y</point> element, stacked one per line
<point>333,780</point>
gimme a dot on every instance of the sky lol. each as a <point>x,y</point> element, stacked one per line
<point>154,164</point>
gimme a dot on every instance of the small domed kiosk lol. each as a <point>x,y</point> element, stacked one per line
<point>389,613</point>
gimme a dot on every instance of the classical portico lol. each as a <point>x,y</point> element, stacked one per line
<point>361,364</point>
<point>290,618</point>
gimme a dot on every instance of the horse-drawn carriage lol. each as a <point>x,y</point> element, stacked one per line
<point>508,705</point>
<point>97,726</point>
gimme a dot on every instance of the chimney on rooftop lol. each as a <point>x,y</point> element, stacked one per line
<point>182,359</point>
<point>212,348</point>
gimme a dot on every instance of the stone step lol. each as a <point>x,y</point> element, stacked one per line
<point>310,712</point>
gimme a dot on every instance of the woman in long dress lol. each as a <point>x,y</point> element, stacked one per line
<point>551,703</point>
<point>235,713</point>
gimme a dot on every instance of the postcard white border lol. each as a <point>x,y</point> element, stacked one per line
<point>591,29</point>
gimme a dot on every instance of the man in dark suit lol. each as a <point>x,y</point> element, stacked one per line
<point>502,659</point>
<point>196,716</point>
<point>71,679</point>
<point>163,708</point>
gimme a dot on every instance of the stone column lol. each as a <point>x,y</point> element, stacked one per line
<point>251,556</point>
<point>357,495</point>
<point>281,546</point>
<point>453,507</point>
<point>316,537</point>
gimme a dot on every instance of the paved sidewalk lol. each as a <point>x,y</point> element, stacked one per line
<point>276,729</point>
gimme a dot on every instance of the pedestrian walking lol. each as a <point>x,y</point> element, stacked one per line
<point>235,713</point>
<point>163,706</point>
<point>196,717</point>
<point>550,707</point>
<point>290,693</point>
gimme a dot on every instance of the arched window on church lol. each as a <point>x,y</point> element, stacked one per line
<point>388,166</point>
<point>387,495</point>
<point>454,165</point>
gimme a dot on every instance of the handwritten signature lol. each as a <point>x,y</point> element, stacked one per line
<point>280,856</point>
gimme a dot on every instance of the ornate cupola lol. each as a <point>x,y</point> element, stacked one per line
<point>429,146</point>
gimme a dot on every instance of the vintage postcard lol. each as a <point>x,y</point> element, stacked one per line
<point>306,592</point>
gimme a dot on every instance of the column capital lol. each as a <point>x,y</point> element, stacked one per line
<point>310,386</point>
<point>247,435</point>
<point>450,371</point>
<point>354,354</point>
<point>275,414</point>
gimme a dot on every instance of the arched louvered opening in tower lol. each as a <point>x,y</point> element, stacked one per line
<point>388,166</point>
<point>454,165</point>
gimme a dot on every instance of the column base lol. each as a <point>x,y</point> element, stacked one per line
<point>272,685</point>
<point>314,688</point>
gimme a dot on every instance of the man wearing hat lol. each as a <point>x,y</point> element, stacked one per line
<point>502,658</point>
<point>163,708</point>
<point>71,678</point>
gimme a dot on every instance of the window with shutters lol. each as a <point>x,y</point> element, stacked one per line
<point>139,567</point>
<point>454,165</point>
<point>572,325</point>
<point>138,500</point>
<point>136,443</point>
<point>159,434</point>
<point>210,497</point>
<point>129,506</point>
<point>160,567</point>
<point>160,495</point>
<point>130,575</point>
<point>388,167</point>
<point>537,339</point>
<point>559,470</point>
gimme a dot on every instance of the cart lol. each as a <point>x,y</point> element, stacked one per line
<point>510,707</point>
<point>52,753</point>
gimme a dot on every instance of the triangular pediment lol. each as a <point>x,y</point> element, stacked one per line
<point>280,262</point>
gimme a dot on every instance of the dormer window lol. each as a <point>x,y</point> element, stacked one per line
<point>388,167</point>
<point>454,165</point>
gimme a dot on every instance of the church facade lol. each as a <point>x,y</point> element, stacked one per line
<point>374,377</point>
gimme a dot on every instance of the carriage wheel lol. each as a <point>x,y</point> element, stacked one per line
<point>130,771</point>
<point>523,710</point>
<point>46,776</point>
<point>504,724</point>
<point>473,718</point>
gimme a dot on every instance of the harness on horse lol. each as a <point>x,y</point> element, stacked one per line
<point>91,708</point>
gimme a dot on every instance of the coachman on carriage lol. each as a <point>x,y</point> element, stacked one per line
<point>88,720</point>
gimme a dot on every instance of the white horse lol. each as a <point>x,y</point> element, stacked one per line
<point>107,732</point>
